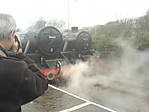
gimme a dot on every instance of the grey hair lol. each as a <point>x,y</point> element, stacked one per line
<point>7,24</point>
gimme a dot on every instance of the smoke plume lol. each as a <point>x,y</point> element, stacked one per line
<point>120,83</point>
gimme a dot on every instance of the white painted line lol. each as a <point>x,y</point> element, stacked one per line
<point>103,107</point>
<point>76,107</point>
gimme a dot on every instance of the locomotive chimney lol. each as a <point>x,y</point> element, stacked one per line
<point>74,29</point>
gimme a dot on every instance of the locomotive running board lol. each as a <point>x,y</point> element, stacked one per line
<point>83,106</point>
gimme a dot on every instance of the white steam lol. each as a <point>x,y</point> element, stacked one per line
<point>122,83</point>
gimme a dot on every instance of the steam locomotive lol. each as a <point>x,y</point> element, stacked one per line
<point>49,48</point>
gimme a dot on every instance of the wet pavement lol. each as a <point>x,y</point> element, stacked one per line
<point>56,101</point>
<point>52,101</point>
<point>113,96</point>
<point>90,108</point>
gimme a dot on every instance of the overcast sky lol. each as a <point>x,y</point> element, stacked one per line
<point>81,12</point>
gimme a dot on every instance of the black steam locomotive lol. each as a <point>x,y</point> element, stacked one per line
<point>49,47</point>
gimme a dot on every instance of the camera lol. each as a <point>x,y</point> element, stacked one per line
<point>16,37</point>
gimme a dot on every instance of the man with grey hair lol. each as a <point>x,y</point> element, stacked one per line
<point>20,81</point>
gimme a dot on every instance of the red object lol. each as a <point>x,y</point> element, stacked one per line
<point>54,71</point>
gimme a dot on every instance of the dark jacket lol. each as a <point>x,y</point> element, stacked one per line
<point>20,83</point>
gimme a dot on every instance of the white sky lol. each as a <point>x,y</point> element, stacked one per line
<point>81,12</point>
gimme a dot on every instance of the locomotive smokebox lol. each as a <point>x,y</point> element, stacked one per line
<point>74,29</point>
<point>47,41</point>
<point>77,40</point>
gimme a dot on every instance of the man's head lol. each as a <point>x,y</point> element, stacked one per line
<point>7,31</point>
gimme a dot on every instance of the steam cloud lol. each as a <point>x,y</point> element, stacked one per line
<point>121,84</point>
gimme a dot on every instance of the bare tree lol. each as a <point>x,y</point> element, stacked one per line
<point>38,25</point>
<point>56,23</point>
